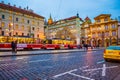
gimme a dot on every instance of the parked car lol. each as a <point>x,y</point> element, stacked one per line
<point>112,53</point>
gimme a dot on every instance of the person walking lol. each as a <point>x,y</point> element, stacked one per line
<point>13,46</point>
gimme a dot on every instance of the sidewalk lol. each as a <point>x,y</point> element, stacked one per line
<point>40,52</point>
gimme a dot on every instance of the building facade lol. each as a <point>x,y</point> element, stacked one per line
<point>85,31</point>
<point>119,33</point>
<point>19,24</point>
<point>104,31</point>
<point>65,29</point>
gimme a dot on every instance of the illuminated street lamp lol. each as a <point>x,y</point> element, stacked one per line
<point>9,31</point>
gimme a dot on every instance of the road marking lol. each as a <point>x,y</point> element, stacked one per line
<point>38,61</point>
<point>81,76</point>
<point>70,72</point>
<point>103,69</point>
<point>61,74</point>
<point>100,62</point>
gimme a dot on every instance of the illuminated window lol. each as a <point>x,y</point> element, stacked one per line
<point>10,18</point>
<point>3,24</point>
<point>38,36</point>
<point>16,27</point>
<point>33,22</point>
<point>29,28</point>
<point>23,20</point>
<point>23,27</point>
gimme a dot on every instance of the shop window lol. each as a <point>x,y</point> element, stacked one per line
<point>28,35</point>
<point>3,16</point>
<point>10,34</point>
<point>22,34</point>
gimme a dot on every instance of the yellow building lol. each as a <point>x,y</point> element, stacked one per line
<point>85,31</point>
<point>104,31</point>
<point>64,29</point>
<point>20,24</point>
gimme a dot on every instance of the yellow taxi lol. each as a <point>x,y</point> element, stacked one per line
<point>112,53</point>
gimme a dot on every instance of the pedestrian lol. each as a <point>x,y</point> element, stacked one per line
<point>13,46</point>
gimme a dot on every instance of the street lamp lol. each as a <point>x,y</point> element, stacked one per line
<point>9,31</point>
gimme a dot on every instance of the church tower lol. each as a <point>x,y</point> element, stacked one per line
<point>50,20</point>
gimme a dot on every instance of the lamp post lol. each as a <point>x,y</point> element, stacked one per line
<point>9,31</point>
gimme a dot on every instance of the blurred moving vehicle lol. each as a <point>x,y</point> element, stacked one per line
<point>112,53</point>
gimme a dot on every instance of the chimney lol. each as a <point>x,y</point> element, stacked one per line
<point>24,8</point>
<point>9,4</point>
<point>20,7</point>
<point>14,5</point>
<point>27,7</point>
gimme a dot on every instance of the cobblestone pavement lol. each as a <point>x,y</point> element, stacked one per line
<point>88,65</point>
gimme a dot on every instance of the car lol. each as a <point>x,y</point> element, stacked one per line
<point>112,53</point>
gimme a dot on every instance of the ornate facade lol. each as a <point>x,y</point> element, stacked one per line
<point>66,29</point>
<point>103,32</point>
<point>19,24</point>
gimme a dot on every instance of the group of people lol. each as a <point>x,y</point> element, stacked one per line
<point>14,46</point>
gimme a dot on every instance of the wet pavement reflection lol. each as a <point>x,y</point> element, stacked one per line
<point>67,66</point>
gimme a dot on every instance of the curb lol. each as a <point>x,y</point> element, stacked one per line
<point>44,53</point>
